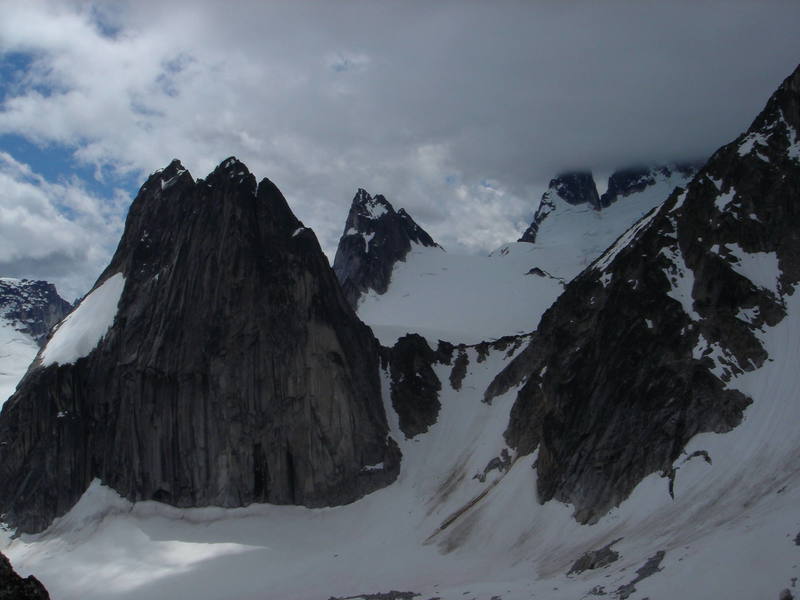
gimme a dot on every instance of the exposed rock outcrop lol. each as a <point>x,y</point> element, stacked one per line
<point>595,559</point>
<point>32,307</point>
<point>375,238</point>
<point>14,587</point>
<point>632,360</point>
<point>415,386</point>
<point>232,371</point>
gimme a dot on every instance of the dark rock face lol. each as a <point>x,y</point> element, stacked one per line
<point>375,238</point>
<point>629,181</point>
<point>573,188</point>
<point>234,372</point>
<point>33,307</point>
<point>631,361</point>
<point>14,587</point>
<point>415,386</point>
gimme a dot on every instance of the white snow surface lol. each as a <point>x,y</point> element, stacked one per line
<point>468,298</point>
<point>438,531</point>
<point>681,279</point>
<point>752,142</point>
<point>728,533</point>
<point>759,267</point>
<point>80,332</point>
<point>461,298</point>
<point>17,351</point>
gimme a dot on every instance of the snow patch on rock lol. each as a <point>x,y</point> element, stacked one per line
<point>681,279</point>
<point>82,330</point>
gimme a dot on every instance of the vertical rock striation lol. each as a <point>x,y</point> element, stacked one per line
<point>233,372</point>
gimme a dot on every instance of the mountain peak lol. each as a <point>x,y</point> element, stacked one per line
<point>213,303</point>
<point>371,207</point>
<point>659,326</point>
<point>375,238</point>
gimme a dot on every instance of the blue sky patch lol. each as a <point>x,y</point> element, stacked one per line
<point>56,164</point>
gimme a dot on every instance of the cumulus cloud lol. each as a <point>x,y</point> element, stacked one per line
<point>54,231</point>
<point>458,112</point>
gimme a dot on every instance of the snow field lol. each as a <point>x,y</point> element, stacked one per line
<point>17,351</point>
<point>728,533</point>
<point>468,299</point>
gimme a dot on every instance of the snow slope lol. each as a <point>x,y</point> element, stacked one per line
<point>460,298</point>
<point>468,298</point>
<point>731,530</point>
<point>82,330</point>
<point>17,351</point>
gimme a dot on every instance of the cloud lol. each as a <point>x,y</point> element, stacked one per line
<point>418,101</point>
<point>54,231</point>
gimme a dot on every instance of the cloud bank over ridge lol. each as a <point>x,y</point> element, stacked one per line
<point>459,112</point>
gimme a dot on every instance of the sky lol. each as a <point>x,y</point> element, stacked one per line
<point>459,111</point>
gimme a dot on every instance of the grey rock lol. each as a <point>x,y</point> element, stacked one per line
<point>595,559</point>
<point>375,238</point>
<point>618,377</point>
<point>32,307</point>
<point>649,568</point>
<point>14,587</point>
<point>459,369</point>
<point>500,463</point>
<point>415,386</point>
<point>235,371</point>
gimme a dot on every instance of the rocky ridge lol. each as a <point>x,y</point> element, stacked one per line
<point>633,359</point>
<point>375,238</point>
<point>232,369</point>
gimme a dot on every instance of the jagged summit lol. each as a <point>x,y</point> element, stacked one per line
<point>370,207</point>
<point>215,362</point>
<point>375,238</point>
<point>635,358</point>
